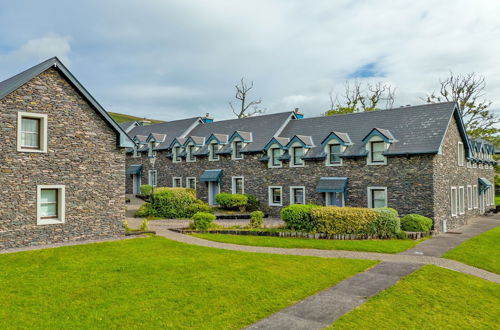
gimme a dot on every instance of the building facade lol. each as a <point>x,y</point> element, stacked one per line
<point>414,159</point>
<point>62,161</point>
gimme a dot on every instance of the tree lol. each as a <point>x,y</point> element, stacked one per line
<point>360,97</point>
<point>468,91</point>
<point>245,108</point>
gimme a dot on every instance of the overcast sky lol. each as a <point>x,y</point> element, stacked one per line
<point>172,59</point>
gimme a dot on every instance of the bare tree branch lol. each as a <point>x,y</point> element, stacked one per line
<point>243,111</point>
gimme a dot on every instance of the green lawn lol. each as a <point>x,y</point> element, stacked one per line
<point>430,298</point>
<point>156,283</point>
<point>482,251</point>
<point>384,246</point>
<point>497,200</point>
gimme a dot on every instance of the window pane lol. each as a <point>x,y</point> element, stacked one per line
<point>297,154</point>
<point>30,132</point>
<point>276,195</point>
<point>378,198</point>
<point>48,202</point>
<point>48,196</point>
<point>334,153</point>
<point>298,195</point>
<point>377,150</point>
<point>237,149</point>
<point>48,210</point>
<point>275,155</point>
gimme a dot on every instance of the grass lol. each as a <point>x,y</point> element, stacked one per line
<point>383,246</point>
<point>430,298</point>
<point>482,251</point>
<point>121,118</point>
<point>497,200</point>
<point>156,283</point>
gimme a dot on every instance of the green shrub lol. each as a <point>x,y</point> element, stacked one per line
<point>253,204</point>
<point>173,203</point>
<point>143,211</point>
<point>256,219</point>
<point>144,225</point>
<point>343,220</point>
<point>199,206</point>
<point>203,220</point>
<point>146,189</point>
<point>298,217</point>
<point>416,222</point>
<point>387,223</point>
<point>126,226</point>
<point>231,201</point>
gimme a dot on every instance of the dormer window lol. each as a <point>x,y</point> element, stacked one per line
<point>151,152</point>
<point>376,152</point>
<point>190,153</point>
<point>237,147</point>
<point>275,154</point>
<point>176,154</point>
<point>334,150</point>
<point>297,153</point>
<point>212,151</point>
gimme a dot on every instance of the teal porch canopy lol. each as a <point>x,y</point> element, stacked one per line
<point>332,184</point>
<point>211,176</point>
<point>484,184</point>
<point>134,169</point>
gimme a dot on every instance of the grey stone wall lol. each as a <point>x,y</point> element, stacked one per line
<point>82,155</point>
<point>447,173</point>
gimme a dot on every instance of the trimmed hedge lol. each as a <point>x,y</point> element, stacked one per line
<point>416,222</point>
<point>343,220</point>
<point>387,223</point>
<point>298,217</point>
<point>256,219</point>
<point>203,220</point>
<point>231,201</point>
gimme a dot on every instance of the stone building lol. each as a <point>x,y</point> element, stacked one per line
<point>415,159</point>
<point>62,161</point>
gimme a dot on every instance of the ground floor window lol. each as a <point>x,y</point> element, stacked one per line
<point>153,178</point>
<point>469,198</point>
<point>297,195</point>
<point>475,197</point>
<point>50,204</point>
<point>275,196</point>
<point>454,202</point>
<point>177,182</point>
<point>377,197</point>
<point>237,185</point>
<point>191,183</point>
<point>461,202</point>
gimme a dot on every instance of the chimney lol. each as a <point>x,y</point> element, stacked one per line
<point>298,114</point>
<point>207,119</point>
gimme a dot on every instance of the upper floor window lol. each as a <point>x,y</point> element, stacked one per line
<point>297,153</point>
<point>237,146</point>
<point>334,151</point>
<point>275,154</point>
<point>460,154</point>
<point>212,151</point>
<point>377,152</point>
<point>151,151</point>
<point>32,132</point>
<point>190,153</point>
<point>176,154</point>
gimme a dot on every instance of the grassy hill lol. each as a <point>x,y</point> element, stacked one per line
<point>120,118</point>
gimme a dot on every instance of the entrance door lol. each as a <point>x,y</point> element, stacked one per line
<point>136,183</point>
<point>213,190</point>
<point>334,199</point>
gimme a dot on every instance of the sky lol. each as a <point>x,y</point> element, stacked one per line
<point>168,60</point>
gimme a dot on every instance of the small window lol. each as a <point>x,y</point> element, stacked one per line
<point>176,154</point>
<point>454,202</point>
<point>461,200</point>
<point>191,183</point>
<point>377,150</point>
<point>153,177</point>
<point>334,154</point>
<point>298,152</point>
<point>377,197</point>
<point>190,153</point>
<point>177,182</point>
<point>275,196</point>
<point>238,185</point>
<point>213,152</point>
<point>275,155</point>
<point>469,198</point>
<point>32,132</point>
<point>460,154</point>
<point>50,204</point>
<point>238,145</point>
<point>297,195</point>
<point>475,197</point>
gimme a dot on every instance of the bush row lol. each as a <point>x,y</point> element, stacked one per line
<point>381,222</point>
<point>242,202</point>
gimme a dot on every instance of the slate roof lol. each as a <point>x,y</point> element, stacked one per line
<point>416,129</point>
<point>127,124</point>
<point>263,128</point>
<point>172,129</point>
<point>9,85</point>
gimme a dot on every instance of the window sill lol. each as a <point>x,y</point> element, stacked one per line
<point>42,222</point>
<point>375,164</point>
<point>32,150</point>
<point>279,166</point>
<point>297,165</point>
<point>275,204</point>
<point>333,164</point>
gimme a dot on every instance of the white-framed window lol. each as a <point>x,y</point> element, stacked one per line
<point>460,154</point>
<point>212,151</point>
<point>493,196</point>
<point>238,185</point>
<point>177,182</point>
<point>475,196</point>
<point>275,194</point>
<point>297,195</point>
<point>51,206</point>
<point>474,165</point>
<point>376,147</point>
<point>32,133</point>
<point>151,151</point>
<point>274,154</point>
<point>296,154</point>
<point>191,182</point>
<point>461,200</point>
<point>237,147</point>
<point>470,204</point>
<point>454,202</point>
<point>333,151</point>
<point>152,177</point>
<point>190,153</point>
<point>176,151</point>
<point>377,197</point>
